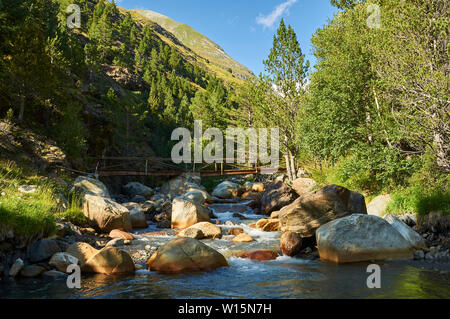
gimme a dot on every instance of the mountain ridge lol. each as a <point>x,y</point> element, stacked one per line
<point>198,43</point>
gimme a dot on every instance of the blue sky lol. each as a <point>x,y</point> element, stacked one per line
<point>245,28</point>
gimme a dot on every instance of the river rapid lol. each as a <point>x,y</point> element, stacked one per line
<point>285,277</point>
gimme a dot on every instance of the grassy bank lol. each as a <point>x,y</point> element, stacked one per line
<point>33,214</point>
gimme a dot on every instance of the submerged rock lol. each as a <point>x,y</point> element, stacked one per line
<point>361,238</point>
<point>258,254</point>
<point>185,255</point>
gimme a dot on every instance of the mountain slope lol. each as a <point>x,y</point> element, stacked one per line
<point>198,43</point>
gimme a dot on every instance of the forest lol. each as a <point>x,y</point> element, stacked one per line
<point>371,115</point>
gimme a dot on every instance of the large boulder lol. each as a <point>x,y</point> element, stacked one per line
<point>303,185</point>
<point>276,196</point>
<point>290,243</point>
<point>185,255</point>
<point>361,238</point>
<point>81,251</point>
<point>226,190</point>
<point>41,250</point>
<point>138,219</point>
<point>377,206</point>
<point>133,189</point>
<point>407,232</point>
<point>110,260</point>
<point>86,185</point>
<point>312,210</point>
<point>186,213</point>
<point>106,214</point>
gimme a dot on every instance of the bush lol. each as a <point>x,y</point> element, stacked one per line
<point>419,199</point>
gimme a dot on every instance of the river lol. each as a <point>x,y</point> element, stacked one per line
<point>284,277</point>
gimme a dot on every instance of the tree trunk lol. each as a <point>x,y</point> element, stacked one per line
<point>293,170</point>
<point>288,167</point>
<point>442,150</point>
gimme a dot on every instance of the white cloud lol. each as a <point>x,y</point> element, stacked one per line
<point>269,20</point>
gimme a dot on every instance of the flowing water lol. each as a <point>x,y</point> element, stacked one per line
<point>284,277</point>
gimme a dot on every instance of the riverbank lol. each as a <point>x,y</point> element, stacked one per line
<point>237,211</point>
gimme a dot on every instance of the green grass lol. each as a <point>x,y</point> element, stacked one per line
<point>420,200</point>
<point>26,214</point>
<point>75,216</point>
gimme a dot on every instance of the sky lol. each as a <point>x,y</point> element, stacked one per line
<point>244,28</point>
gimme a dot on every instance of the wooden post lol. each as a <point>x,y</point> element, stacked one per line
<point>221,168</point>
<point>146,171</point>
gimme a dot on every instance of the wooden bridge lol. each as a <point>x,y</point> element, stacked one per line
<point>156,166</point>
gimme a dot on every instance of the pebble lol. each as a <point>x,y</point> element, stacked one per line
<point>127,242</point>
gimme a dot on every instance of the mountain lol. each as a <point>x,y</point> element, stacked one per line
<point>219,61</point>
